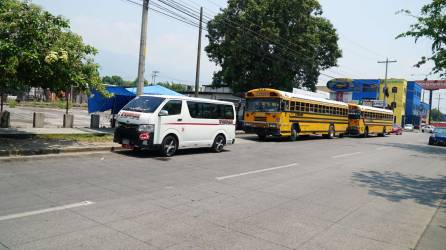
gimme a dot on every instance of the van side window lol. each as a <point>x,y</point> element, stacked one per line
<point>173,107</point>
<point>228,112</point>
<point>201,110</point>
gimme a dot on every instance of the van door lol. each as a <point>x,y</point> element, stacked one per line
<point>172,122</point>
<point>198,129</point>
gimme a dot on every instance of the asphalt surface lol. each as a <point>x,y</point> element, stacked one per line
<point>350,193</point>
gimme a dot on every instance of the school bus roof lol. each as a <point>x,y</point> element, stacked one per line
<point>285,94</point>
<point>365,108</point>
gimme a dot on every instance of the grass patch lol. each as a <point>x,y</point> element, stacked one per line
<point>78,137</point>
<point>12,103</point>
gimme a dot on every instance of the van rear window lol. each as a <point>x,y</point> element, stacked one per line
<point>145,104</point>
<point>202,110</point>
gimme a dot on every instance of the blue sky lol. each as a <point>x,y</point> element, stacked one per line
<point>367,31</point>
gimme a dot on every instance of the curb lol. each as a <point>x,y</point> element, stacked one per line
<point>30,135</point>
<point>32,152</point>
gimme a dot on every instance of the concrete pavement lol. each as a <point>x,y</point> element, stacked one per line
<point>351,193</point>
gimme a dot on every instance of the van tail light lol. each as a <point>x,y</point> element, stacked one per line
<point>144,136</point>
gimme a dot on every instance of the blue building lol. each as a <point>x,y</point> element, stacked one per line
<point>414,109</point>
<point>354,90</point>
<point>366,89</point>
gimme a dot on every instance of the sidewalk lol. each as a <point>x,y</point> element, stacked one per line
<point>39,141</point>
<point>30,132</point>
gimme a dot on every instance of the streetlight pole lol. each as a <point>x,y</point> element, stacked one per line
<point>142,48</point>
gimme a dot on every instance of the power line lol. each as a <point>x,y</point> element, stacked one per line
<point>174,5</point>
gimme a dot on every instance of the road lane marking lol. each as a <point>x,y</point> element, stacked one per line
<point>345,155</point>
<point>47,210</point>
<point>256,171</point>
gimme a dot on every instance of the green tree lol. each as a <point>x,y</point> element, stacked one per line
<point>437,115</point>
<point>271,43</point>
<point>431,24</point>
<point>177,87</point>
<point>37,49</point>
<point>135,82</point>
<point>114,80</point>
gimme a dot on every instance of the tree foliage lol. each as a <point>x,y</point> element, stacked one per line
<point>37,49</point>
<point>271,43</point>
<point>116,80</point>
<point>177,87</point>
<point>437,115</point>
<point>431,24</point>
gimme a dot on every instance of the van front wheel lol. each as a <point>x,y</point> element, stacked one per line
<point>219,143</point>
<point>169,146</point>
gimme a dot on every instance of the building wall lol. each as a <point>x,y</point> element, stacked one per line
<point>413,104</point>
<point>399,97</point>
<point>366,89</point>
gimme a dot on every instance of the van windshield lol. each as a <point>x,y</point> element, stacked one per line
<point>145,104</point>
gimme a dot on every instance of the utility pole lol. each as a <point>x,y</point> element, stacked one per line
<point>439,98</point>
<point>154,76</point>
<point>385,81</point>
<point>197,73</point>
<point>142,48</point>
<point>430,106</point>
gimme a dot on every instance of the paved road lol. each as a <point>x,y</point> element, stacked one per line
<point>351,193</point>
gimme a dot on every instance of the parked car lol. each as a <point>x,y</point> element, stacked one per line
<point>427,129</point>
<point>438,137</point>
<point>397,130</point>
<point>408,127</point>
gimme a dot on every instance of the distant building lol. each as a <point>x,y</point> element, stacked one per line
<point>396,100</point>
<point>413,104</point>
<point>359,91</point>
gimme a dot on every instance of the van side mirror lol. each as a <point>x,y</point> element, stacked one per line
<point>163,113</point>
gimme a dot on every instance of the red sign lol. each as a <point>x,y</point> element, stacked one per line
<point>432,84</point>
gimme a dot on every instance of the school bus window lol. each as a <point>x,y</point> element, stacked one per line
<point>307,107</point>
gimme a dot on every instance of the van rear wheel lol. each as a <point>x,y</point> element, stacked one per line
<point>219,143</point>
<point>169,146</point>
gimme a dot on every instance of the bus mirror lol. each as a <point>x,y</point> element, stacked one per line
<point>163,113</point>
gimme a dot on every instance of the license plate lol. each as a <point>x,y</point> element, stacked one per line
<point>125,141</point>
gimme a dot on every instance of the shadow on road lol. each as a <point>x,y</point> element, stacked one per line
<point>419,148</point>
<point>155,154</point>
<point>251,137</point>
<point>396,187</point>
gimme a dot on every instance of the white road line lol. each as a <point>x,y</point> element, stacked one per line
<point>256,171</point>
<point>345,155</point>
<point>42,211</point>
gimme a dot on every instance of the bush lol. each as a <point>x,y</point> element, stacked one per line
<point>12,103</point>
<point>63,104</point>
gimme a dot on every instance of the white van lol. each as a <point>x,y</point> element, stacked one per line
<point>175,122</point>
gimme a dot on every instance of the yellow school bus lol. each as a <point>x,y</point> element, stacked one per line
<point>271,112</point>
<point>365,120</point>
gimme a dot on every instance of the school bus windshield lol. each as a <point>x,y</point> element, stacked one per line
<point>263,105</point>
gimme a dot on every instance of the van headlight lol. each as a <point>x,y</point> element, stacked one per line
<point>146,128</point>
